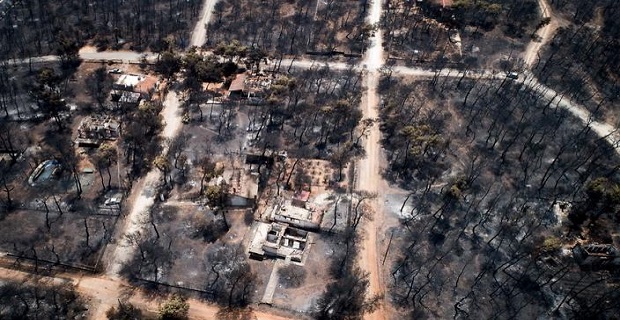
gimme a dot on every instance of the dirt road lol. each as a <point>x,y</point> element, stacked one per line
<point>369,177</point>
<point>199,35</point>
<point>144,192</point>
<point>601,129</point>
<point>173,117</point>
<point>369,168</point>
<point>90,56</point>
<point>104,293</point>
<point>546,33</point>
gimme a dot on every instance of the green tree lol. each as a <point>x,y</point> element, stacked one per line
<point>551,244</point>
<point>602,189</point>
<point>68,50</point>
<point>106,156</point>
<point>213,195</point>
<point>231,50</point>
<point>140,136</point>
<point>199,69</point>
<point>162,163</point>
<point>420,140</point>
<point>341,157</point>
<point>209,170</point>
<point>254,57</point>
<point>345,298</point>
<point>48,96</point>
<point>168,64</point>
<point>176,308</point>
<point>99,84</point>
<point>124,311</point>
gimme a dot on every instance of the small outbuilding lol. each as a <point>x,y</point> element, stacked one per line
<point>238,87</point>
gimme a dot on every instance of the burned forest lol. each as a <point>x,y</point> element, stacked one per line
<point>502,190</point>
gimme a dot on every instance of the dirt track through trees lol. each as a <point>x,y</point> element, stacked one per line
<point>546,33</point>
<point>199,35</point>
<point>144,192</point>
<point>531,52</point>
<point>369,178</point>
<point>601,129</point>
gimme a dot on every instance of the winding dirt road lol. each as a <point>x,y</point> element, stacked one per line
<point>601,129</point>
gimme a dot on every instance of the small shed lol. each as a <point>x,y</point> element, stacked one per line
<point>238,86</point>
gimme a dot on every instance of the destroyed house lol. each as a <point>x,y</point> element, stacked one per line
<point>301,198</point>
<point>305,217</point>
<point>600,256</point>
<point>94,130</point>
<point>127,82</point>
<point>278,241</point>
<point>129,99</point>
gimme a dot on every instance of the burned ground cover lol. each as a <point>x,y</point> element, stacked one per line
<point>483,234</point>
<point>53,207</point>
<point>307,114</point>
<point>581,11</point>
<point>58,216</point>
<point>188,246</point>
<point>292,27</point>
<point>34,28</point>
<point>472,34</point>
<point>311,113</point>
<point>413,37</point>
<point>582,58</point>
<point>30,300</point>
<point>46,103</point>
<point>272,126</point>
<point>44,239</point>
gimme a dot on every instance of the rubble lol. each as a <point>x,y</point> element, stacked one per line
<point>94,130</point>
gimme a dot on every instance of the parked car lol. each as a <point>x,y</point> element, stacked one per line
<point>512,75</point>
